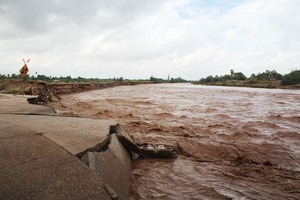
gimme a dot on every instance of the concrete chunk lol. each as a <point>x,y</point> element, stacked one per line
<point>113,166</point>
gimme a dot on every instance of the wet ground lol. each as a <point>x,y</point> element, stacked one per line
<point>234,143</point>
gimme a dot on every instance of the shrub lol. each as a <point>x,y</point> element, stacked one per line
<point>2,86</point>
<point>291,78</point>
<point>12,90</point>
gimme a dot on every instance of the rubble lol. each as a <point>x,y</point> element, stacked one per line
<point>144,150</point>
<point>157,151</point>
<point>43,94</point>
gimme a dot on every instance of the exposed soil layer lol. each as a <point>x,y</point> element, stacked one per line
<point>50,92</point>
<point>254,84</point>
<point>234,143</point>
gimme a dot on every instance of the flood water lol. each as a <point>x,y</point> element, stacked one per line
<point>233,143</point>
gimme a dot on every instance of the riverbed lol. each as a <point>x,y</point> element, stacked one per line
<point>233,143</point>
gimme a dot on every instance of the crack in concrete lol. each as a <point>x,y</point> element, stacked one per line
<point>116,160</point>
<point>130,146</point>
<point>100,147</point>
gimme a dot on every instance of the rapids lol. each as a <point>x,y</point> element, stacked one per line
<point>234,143</point>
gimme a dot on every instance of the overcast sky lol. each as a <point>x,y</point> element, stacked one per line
<point>139,38</point>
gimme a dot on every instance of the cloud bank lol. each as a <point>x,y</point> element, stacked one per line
<point>137,39</point>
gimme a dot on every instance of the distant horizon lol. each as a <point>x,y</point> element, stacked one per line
<point>125,78</point>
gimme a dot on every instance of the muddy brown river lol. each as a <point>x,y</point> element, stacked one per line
<point>233,143</point>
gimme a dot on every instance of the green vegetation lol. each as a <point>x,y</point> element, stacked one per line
<point>291,78</point>
<point>69,79</point>
<point>269,79</point>
<point>14,84</point>
<point>169,80</point>
<point>2,86</point>
<point>239,76</point>
<point>13,90</point>
<point>61,79</point>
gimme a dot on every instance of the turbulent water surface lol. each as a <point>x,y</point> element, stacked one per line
<point>234,143</point>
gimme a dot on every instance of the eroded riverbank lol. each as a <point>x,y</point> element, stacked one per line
<point>234,142</point>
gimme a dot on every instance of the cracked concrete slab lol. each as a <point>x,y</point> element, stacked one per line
<point>113,166</point>
<point>33,167</point>
<point>72,133</point>
<point>38,155</point>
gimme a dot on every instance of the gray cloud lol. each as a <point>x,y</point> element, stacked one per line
<point>34,17</point>
<point>136,39</point>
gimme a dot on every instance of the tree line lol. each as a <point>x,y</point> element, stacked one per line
<point>169,80</point>
<point>269,75</point>
<point>64,79</point>
<point>287,79</point>
<point>67,79</point>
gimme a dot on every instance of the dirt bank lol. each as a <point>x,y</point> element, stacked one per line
<point>252,84</point>
<point>69,88</point>
<point>50,92</point>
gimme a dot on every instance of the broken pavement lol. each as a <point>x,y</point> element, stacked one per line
<point>47,156</point>
<point>38,155</point>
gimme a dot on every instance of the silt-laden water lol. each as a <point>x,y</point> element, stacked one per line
<point>234,143</point>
